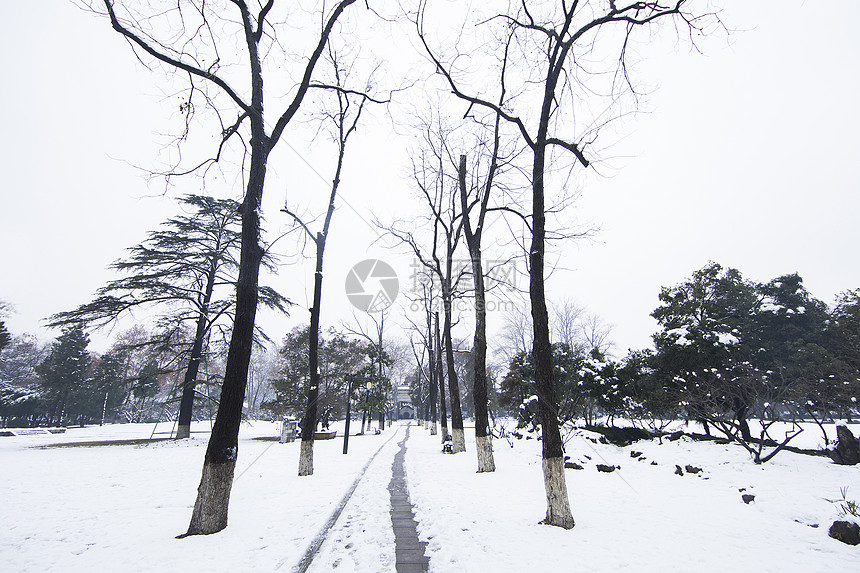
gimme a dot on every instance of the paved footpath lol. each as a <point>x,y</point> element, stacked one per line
<point>409,551</point>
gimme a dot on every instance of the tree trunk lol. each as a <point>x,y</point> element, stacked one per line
<point>186,405</point>
<point>458,436</point>
<point>309,420</point>
<point>558,505</point>
<point>213,494</point>
<point>441,381</point>
<point>431,371</point>
<point>744,426</point>
<point>434,389</point>
<point>483,439</point>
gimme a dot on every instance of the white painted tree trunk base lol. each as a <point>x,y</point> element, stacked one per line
<point>183,432</point>
<point>557,501</point>
<point>213,498</point>
<point>434,429</point>
<point>306,458</point>
<point>484,447</point>
<point>458,441</point>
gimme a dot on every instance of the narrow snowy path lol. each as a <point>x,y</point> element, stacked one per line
<point>317,542</point>
<point>376,528</point>
<point>408,550</point>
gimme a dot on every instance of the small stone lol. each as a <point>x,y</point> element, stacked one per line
<point>573,466</point>
<point>605,469</point>
<point>748,498</point>
<point>846,532</point>
<point>693,470</point>
<point>635,454</point>
<point>678,470</point>
<point>653,463</point>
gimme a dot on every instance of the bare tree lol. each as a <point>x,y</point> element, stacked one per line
<point>595,332</point>
<point>483,443</point>
<point>191,38</point>
<point>442,202</point>
<point>342,121</point>
<point>516,333</point>
<point>552,40</point>
<point>436,364</point>
<point>263,366</point>
<point>565,319</point>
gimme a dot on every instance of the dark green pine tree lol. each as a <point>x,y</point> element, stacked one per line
<point>292,376</point>
<point>109,386</point>
<point>64,375</point>
<point>187,271</point>
<point>791,339</point>
<point>5,337</point>
<point>840,388</point>
<point>707,341</point>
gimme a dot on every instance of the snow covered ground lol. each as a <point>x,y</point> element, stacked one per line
<point>119,507</point>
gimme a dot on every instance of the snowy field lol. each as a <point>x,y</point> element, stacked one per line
<point>119,507</point>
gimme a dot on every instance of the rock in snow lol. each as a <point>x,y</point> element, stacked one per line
<point>847,452</point>
<point>846,532</point>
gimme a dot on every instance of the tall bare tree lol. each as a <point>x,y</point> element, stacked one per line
<point>479,200</point>
<point>435,178</point>
<point>425,333</point>
<point>206,43</point>
<point>436,364</point>
<point>551,39</point>
<point>342,121</point>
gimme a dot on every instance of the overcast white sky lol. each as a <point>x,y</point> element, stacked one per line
<point>748,157</point>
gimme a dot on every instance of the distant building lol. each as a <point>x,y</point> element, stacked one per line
<point>403,399</point>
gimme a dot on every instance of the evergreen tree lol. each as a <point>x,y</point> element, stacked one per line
<point>339,357</point>
<point>791,342</point>
<point>292,376</point>
<point>731,350</point>
<point>5,337</point>
<point>840,388</point>
<point>706,343</point>
<point>187,270</point>
<point>64,375</point>
<point>21,395</point>
<point>108,384</point>
<point>519,391</point>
